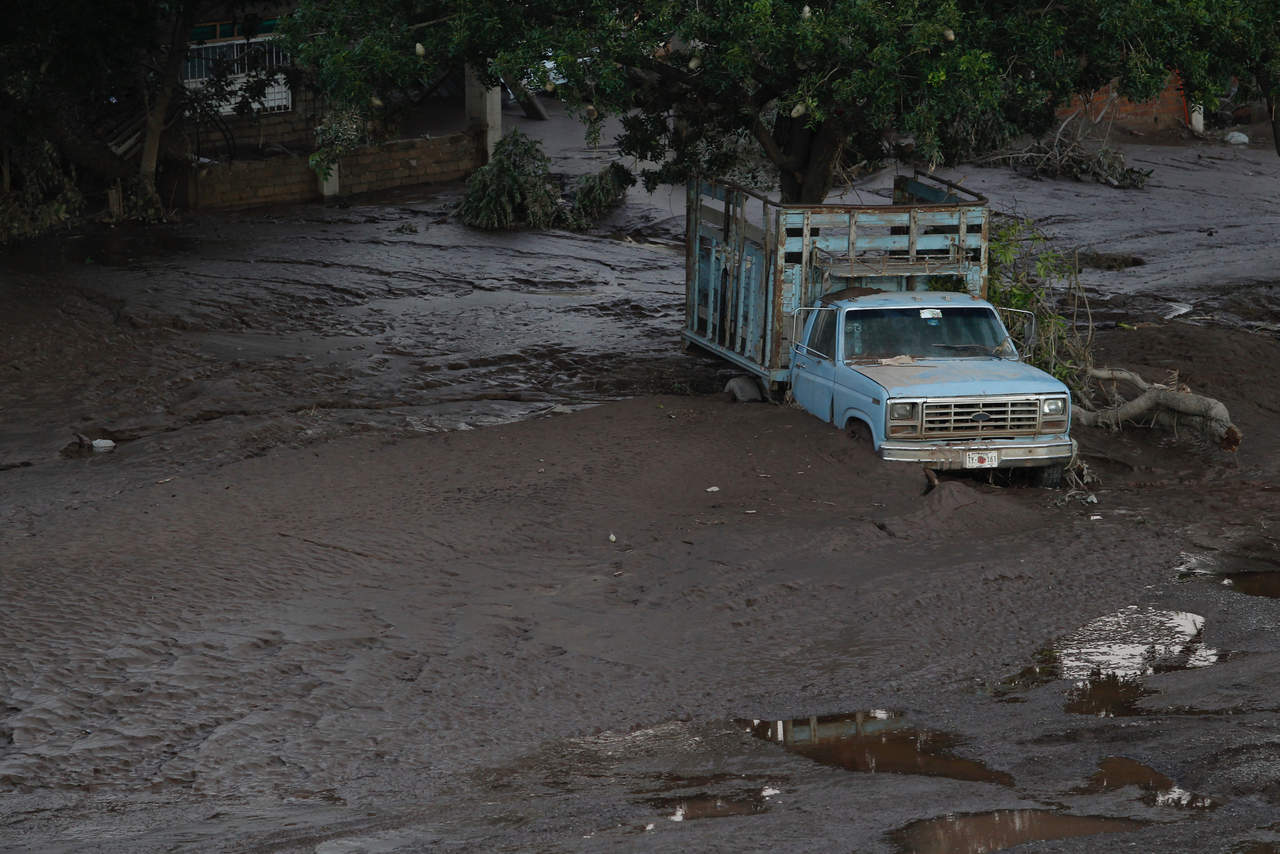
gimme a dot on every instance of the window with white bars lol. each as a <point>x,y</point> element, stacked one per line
<point>239,57</point>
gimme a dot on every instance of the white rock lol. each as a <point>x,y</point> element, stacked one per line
<point>744,389</point>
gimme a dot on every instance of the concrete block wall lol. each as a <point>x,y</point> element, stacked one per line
<point>409,161</point>
<point>286,179</point>
<point>252,183</point>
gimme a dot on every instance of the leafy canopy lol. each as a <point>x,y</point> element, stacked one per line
<point>705,86</point>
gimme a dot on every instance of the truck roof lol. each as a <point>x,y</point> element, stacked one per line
<point>868,298</point>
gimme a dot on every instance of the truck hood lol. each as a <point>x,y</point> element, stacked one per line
<point>960,378</point>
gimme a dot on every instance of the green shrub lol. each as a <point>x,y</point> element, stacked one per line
<point>596,195</point>
<point>44,193</point>
<point>515,189</point>
<point>512,190</point>
<point>1025,273</point>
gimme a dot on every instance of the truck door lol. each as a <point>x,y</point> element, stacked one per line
<point>813,366</point>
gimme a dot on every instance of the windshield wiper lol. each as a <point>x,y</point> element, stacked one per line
<point>981,348</point>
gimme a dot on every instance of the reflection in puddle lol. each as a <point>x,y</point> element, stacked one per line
<point>993,831</point>
<point>1116,772</point>
<point>1135,641</point>
<point>1107,658</point>
<point>874,741</point>
<point>1046,668</point>
<point>1107,696</point>
<point>703,805</point>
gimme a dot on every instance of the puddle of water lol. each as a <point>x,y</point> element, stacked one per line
<point>1107,658</point>
<point>995,831</point>
<point>1251,567</point>
<point>675,782</point>
<point>875,741</point>
<point>703,805</point>
<point>1135,641</point>
<point>1107,696</point>
<point>1254,583</point>
<point>1257,848</point>
<point>1046,668</point>
<point>1245,558</point>
<point>1116,772</point>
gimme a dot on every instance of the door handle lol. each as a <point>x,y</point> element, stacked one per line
<point>802,364</point>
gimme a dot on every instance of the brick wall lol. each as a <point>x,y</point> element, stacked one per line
<point>291,129</point>
<point>409,161</point>
<point>285,179</point>
<point>1168,109</point>
<point>252,183</point>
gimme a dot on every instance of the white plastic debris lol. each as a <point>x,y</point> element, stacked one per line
<point>612,537</point>
<point>713,489</point>
<point>103,445</point>
<point>1237,138</point>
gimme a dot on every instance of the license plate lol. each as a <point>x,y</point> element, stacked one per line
<point>981,459</point>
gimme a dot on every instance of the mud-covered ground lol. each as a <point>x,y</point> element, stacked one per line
<point>416,538</point>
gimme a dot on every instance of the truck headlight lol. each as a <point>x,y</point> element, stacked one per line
<point>903,411</point>
<point>1053,406</point>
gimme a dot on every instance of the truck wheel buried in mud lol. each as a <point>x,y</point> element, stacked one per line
<point>1047,477</point>
<point>860,433</point>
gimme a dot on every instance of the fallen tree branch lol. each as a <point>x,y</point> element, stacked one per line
<point>1167,406</point>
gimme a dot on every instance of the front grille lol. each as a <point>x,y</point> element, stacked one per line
<point>1018,416</point>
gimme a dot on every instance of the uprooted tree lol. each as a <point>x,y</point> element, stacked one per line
<point>1170,405</point>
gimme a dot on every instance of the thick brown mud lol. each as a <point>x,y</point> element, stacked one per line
<point>408,542</point>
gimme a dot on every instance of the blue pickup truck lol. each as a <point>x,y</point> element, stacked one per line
<point>872,319</point>
<point>931,378</point>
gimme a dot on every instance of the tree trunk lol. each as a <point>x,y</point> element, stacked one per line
<point>808,159</point>
<point>158,104</point>
<point>1274,119</point>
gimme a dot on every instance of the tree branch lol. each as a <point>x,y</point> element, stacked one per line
<point>1208,414</point>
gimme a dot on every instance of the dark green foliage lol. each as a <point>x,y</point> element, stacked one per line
<point>513,190</point>
<point>593,196</point>
<point>1027,274</point>
<point>44,195</point>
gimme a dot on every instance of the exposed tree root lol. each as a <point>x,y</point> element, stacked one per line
<point>1166,405</point>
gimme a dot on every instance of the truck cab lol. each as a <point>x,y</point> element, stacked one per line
<point>932,378</point>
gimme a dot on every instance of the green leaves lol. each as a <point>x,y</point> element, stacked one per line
<point>515,189</point>
<point>806,85</point>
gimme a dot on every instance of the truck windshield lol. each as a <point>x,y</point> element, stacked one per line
<point>880,333</point>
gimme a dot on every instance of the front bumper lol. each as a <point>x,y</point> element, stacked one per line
<point>1010,453</point>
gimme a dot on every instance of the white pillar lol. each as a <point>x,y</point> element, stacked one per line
<point>329,187</point>
<point>484,110</point>
<point>1197,118</point>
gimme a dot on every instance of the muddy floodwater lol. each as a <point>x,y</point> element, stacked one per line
<point>344,528</point>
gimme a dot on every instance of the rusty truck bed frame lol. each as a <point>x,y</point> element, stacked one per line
<point>751,261</point>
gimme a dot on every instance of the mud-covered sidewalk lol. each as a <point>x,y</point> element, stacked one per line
<point>363,574</point>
